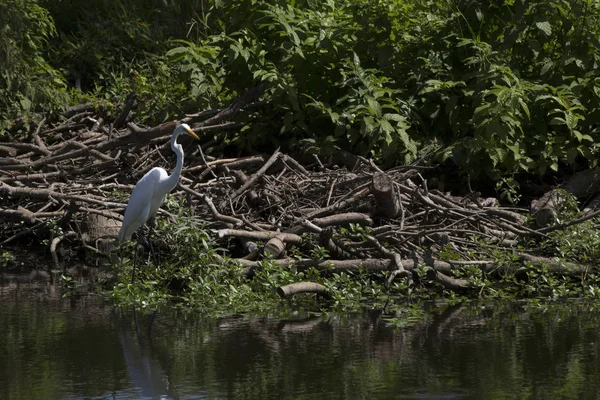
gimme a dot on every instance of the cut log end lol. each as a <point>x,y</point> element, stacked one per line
<point>388,204</point>
<point>275,248</point>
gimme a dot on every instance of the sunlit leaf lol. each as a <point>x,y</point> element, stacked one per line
<point>545,27</point>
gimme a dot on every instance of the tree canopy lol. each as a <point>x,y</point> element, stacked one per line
<point>497,88</point>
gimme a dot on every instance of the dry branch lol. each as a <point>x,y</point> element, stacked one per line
<point>46,194</point>
<point>262,235</point>
<point>258,174</point>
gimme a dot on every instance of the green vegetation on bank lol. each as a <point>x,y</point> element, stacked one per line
<point>190,273</point>
<point>497,88</point>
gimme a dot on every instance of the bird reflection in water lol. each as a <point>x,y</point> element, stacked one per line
<point>148,377</point>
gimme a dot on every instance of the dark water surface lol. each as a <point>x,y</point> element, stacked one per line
<point>54,348</point>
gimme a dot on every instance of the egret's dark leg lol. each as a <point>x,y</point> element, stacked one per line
<point>149,239</point>
<point>134,260</point>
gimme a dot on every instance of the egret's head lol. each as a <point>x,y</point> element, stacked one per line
<point>185,128</point>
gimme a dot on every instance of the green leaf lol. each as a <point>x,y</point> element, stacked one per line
<point>374,106</point>
<point>367,126</point>
<point>394,117</point>
<point>545,27</point>
<point>386,127</point>
<point>356,60</point>
<point>524,107</point>
<point>388,138</point>
<point>546,67</point>
<point>515,149</point>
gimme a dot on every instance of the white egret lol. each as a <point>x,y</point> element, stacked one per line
<point>151,190</point>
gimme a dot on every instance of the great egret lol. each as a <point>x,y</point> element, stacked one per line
<point>151,190</point>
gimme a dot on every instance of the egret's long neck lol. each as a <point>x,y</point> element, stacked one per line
<point>172,180</point>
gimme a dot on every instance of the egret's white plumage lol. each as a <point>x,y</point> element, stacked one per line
<point>150,191</point>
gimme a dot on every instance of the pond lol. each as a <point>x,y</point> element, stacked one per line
<point>63,348</point>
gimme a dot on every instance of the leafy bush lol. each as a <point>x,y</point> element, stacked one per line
<point>508,87</point>
<point>27,82</point>
<point>498,88</point>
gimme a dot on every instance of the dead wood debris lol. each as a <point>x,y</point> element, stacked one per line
<point>68,183</point>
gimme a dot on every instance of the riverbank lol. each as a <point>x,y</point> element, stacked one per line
<point>251,229</point>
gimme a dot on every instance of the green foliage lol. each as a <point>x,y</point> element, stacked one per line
<point>6,258</point>
<point>497,88</point>
<point>191,273</point>
<point>495,110</point>
<point>27,82</point>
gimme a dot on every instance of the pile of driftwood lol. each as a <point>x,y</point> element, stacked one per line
<point>67,183</point>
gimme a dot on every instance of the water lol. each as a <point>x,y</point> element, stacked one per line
<point>54,348</point>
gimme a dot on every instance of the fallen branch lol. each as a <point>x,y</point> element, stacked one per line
<point>262,235</point>
<point>45,194</point>
<point>303,287</point>
<point>447,281</point>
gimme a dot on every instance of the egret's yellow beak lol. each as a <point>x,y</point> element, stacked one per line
<point>192,134</point>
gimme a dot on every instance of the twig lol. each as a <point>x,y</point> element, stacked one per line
<point>257,175</point>
<point>36,138</point>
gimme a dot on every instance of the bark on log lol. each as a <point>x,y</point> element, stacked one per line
<point>46,194</point>
<point>343,219</point>
<point>6,151</point>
